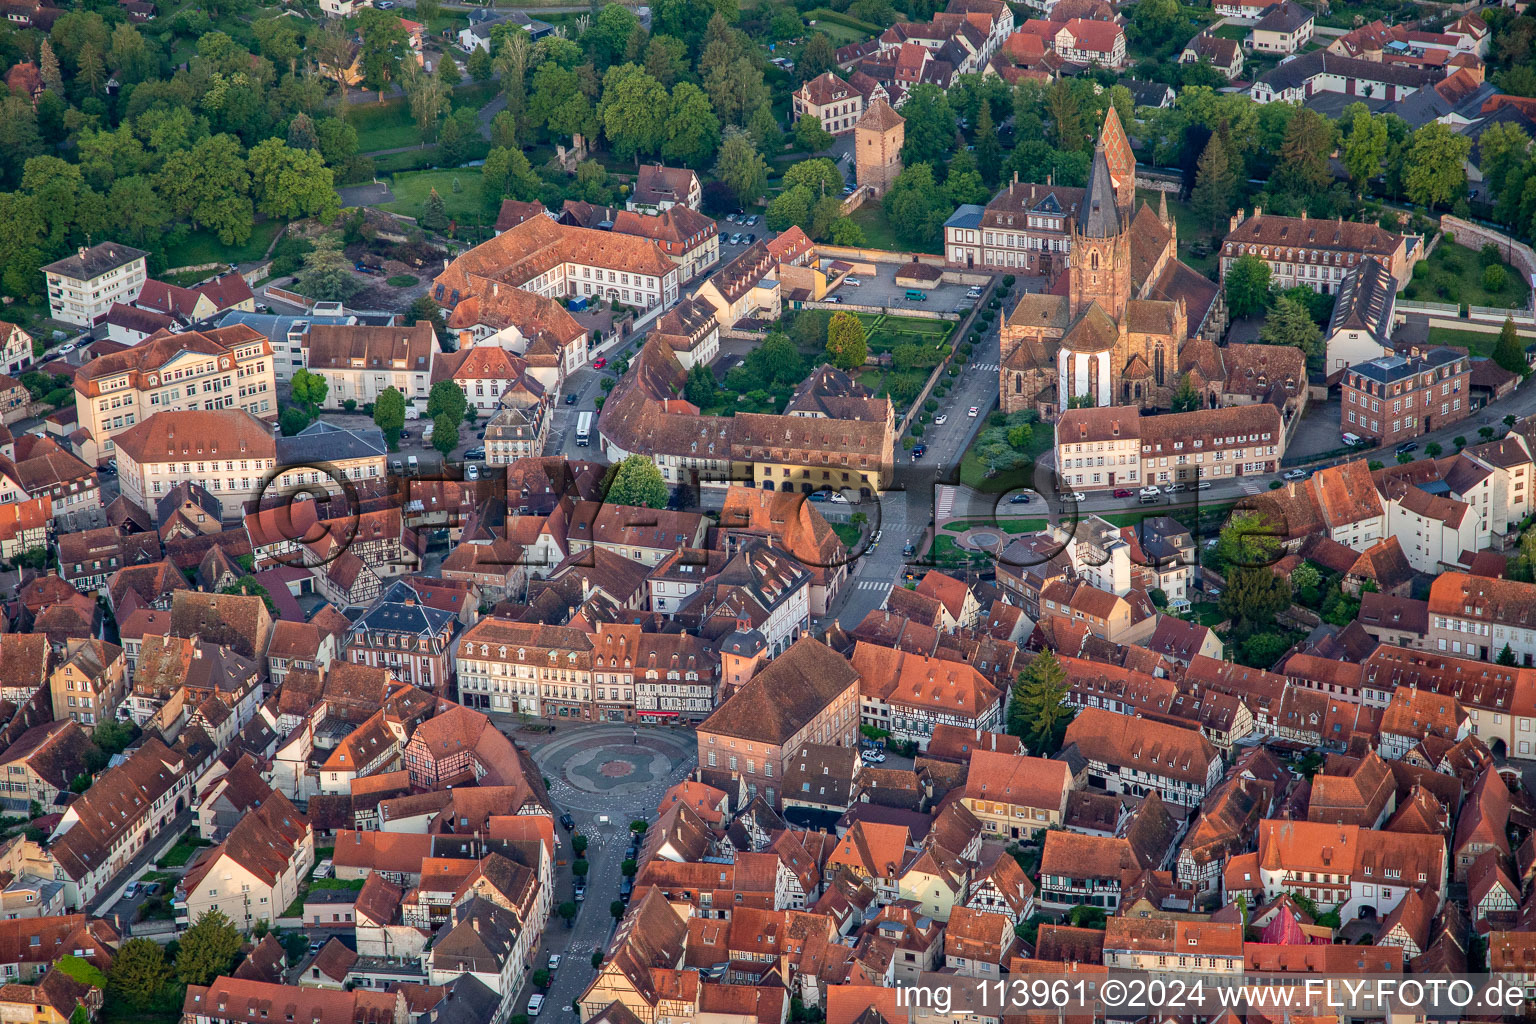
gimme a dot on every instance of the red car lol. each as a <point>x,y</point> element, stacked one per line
<point>599,363</point>
<point>1121,492</point>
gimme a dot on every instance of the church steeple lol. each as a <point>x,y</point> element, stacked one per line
<point>1099,216</point>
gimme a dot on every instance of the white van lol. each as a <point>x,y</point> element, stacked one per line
<point>411,464</point>
<point>1351,439</point>
<point>535,1004</point>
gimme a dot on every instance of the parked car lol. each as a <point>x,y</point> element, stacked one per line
<point>1406,447</point>
<point>876,538</point>
<point>837,499</point>
<point>1172,488</point>
<point>477,452</point>
<point>535,1004</point>
<point>554,961</point>
<point>1019,499</point>
<point>132,890</point>
<point>599,363</point>
<point>735,239</point>
<point>920,449</point>
<point>1150,491</point>
<point>579,891</point>
<point>908,550</point>
<point>821,496</point>
<point>752,221</point>
<point>567,822</point>
<point>852,282</point>
<point>570,398</point>
<point>1296,474</point>
<point>975,411</point>
<point>834,298</point>
<point>940,420</point>
<point>1079,496</point>
<point>1122,492</point>
<point>472,472</point>
<point>1203,485</point>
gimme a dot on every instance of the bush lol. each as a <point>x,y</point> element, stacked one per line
<point>1008,280</point>
<point>1275,485</point>
<point>1489,255</point>
<point>917,430</point>
<point>350,405</point>
<point>1494,278</point>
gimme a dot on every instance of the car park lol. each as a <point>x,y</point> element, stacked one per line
<point>1296,474</point>
<point>535,1004</point>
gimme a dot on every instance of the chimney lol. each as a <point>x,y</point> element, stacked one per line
<point>1258,211</point>
<point>82,248</point>
<point>1303,213</point>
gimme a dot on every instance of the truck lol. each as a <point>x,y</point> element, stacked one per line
<point>584,429</point>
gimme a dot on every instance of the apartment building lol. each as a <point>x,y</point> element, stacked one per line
<point>221,368</point>
<point>1360,872</point>
<point>360,362</point>
<point>525,668</point>
<point>1116,446</point>
<point>403,634</point>
<point>1015,796</point>
<point>690,239</point>
<point>835,103</point>
<point>231,453</point>
<point>909,695</point>
<point>253,875</point>
<point>237,1000</point>
<point>1099,449</point>
<point>1317,253</point>
<point>89,683</point>
<point>1138,755</point>
<point>1160,944</point>
<point>1394,398</point>
<point>808,694</point>
<point>84,286</point>
<point>1476,617</point>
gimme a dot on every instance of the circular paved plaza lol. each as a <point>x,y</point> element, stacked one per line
<point>606,768</point>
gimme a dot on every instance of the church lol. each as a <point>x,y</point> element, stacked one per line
<point>1112,328</point>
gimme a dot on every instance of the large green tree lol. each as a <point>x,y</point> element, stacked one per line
<point>1038,712</point>
<point>309,390</point>
<point>1310,139</point>
<point>916,207</point>
<point>446,399</point>
<point>207,949</point>
<point>633,111</point>
<point>209,186</point>
<point>139,973</point>
<point>1215,184</point>
<point>846,345</point>
<point>930,127</point>
<point>327,275</point>
<point>389,415</point>
<point>1247,285</point>
<point>1365,145</point>
<point>637,481</point>
<point>1289,323</point>
<point>291,183</point>
<point>741,166</point>
<point>692,131</point>
<point>384,49</point>
<point>1433,174</point>
<point>1509,352</point>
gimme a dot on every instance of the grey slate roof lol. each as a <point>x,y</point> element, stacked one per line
<point>325,442</point>
<point>95,261</point>
<point>1099,217</point>
<point>399,610</point>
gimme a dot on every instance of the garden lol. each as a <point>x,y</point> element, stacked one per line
<point>1454,273</point>
<point>458,188</point>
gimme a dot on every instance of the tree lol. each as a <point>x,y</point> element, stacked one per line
<point>210,187</point>
<point>989,151</point>
<point>700,387</point>
<point>389,415</point>
<point>327,273</point>
<point>1365,147</point>
<point>811,136</point>
<point>1065,115</point>
<point>434,214</point>
<point>1247,285</point>
<point>1215,184</point>
<point>139,972</point>
<point>48,68</point>
<point>846,345</point>
<point>446,399</point>
<point>309,390</point>
<point>1501,149</point>
<point>1038,712</point>
<point>790,207</point>
<point>817,55</point>
<point>1246,541</point>
<point>616,909</point>
<point>691,133</point>
<point>445,432</point>
<point>638,482</point>
<point>1254,596</point>
<point>1155,21</point>
<point>766,133</point>
<point>289,183</point>
<point>741,166</point>
<point>1289,323</point>
<point>930,127</point>
<point>633,110</point>
<point>293,419</point>
<point>506,174</point>
<point>1304,576</point>
<point>89,68</point>
<point>567,912</point>
<point>964,184</point>
<point>1432,173</point>
<point>207,949</point>
<point>1303,166</point>
<point>384,49</point>
<point>427,96</point>
<point>915,206</point>
<point>1186,398</point>
<point>1509,352</point>
<point>1507,656</point>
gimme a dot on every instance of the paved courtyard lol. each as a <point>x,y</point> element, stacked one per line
<point>617,769</point>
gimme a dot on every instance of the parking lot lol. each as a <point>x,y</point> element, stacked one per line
<point>881,289</point>
<point>729,228</point>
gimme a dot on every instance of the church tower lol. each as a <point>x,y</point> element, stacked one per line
<point>1101,242</point>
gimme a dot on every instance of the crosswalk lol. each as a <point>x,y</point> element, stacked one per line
<point>1250,487</point>
<point>986,367</point>
<point>872,585</point>
<point>945,506</point>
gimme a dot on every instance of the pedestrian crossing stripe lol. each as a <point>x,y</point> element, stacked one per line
<point>873,585</point>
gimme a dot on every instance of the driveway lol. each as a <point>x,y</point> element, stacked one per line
<point>365,195</point>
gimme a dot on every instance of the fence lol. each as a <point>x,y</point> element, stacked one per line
<point>284,295</point>
<point>1452,308</point>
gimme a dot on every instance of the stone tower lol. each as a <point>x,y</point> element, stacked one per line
<point>877,139</point>
<point>1101,244</point>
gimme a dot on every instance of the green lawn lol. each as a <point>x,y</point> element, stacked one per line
<point>386,125</point>
<point>884,333</point>
<point>1236,33</point>
<point>1479,343</point>
<point>878,233</point>
<point>204,247</point>
<point>411,189</point>
<point>848,534</point>
<point>186,847</point>
<point>1454,273</point>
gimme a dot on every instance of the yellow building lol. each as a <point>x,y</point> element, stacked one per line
<point>1014,796</point>
<point>90,683</point>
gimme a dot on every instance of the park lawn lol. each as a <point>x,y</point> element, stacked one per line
<point>411,189</point>
<point>878,233</point>
<point>839,34</point>
<point>203,246</point>
<point>884,333</point>
<point>386,125</point>
<point>1454,273</point>
<point>825,18</point>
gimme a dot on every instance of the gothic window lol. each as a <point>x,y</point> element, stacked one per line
<point>1093,261</point>
<point>1018,383</point>
<point>1159,361</point>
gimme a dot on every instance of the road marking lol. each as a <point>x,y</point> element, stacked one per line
<point>989,367</point>
<point>872,585</point>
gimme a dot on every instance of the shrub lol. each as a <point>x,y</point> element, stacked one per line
<point>1275,485</point>
<point>1494,278</point>
<point>917,430</point>
<point>1008,280</point>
